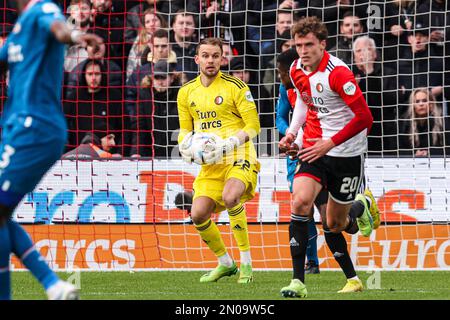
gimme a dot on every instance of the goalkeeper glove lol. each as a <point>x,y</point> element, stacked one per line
<point>222,148</point>
<point>185,147</point>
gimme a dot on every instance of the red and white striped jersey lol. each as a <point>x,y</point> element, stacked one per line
<point>292,97</point>
<point>326,94</point>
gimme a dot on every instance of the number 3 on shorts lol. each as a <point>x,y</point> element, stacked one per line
<point>349,184</point>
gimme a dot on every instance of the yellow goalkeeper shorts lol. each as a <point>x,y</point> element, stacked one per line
<point>212,178</point>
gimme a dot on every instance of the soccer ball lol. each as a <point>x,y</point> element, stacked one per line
<point>202,143</point>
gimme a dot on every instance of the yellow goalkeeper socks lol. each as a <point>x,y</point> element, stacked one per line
<point>238,223</point>
<point>210,234</point>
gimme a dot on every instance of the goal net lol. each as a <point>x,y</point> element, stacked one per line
<point>118,212</point>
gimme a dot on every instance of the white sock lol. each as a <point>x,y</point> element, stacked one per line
<point>57,284</point>
<point>226,260</point>
<point>246,257</point>
<point>55,289</point>
<point>354,278</point>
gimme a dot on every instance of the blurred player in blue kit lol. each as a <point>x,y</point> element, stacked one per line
<point>34,129</point>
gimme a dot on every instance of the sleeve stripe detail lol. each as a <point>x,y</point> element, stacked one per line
<point>189,82</point>
<point>330,66</point>
<point>238,81</point>
<point>233,81</point>
<point>235,78</point>
<point>236,115</point>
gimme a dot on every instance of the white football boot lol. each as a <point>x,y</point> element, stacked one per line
<point>63,291</point>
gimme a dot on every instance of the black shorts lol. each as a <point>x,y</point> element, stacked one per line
<point>342,177</point>
<point>322,198</point>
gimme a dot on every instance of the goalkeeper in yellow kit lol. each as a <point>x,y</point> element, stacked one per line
<point>221,104</point>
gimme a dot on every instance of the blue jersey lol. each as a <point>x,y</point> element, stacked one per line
<point>35,61</point>
<point>283,109</point>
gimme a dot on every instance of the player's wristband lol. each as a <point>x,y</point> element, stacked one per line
<point>75,36</point>
<point>299,140</point>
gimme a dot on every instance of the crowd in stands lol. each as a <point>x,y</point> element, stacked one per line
<point>125,93</point>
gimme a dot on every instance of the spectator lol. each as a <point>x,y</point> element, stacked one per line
<point>433,14</point>
<point>111,73</point>
<point>420,65</point>
<point>108,23</point>
<point>185,43</point>
<point>238,70</point>
<point>262,17</point>
<point>284,21</point>
<point>398,22</point>
<point>159,48</point>
<point>227,55</point>
<point>289,4</point>
<point>270,34</point>
<point>93,148</point>
<point>151,22</point>
<point>224,19</point>
<point>154,114</point>
<point>267,61</point>
<point>285,42</point>
<point>379,86</point>
<point>96,108</point>
<point>331,11</point>
<point>422,127</point>
<point>168,7</point>
<point>124,6</point>
<point>350,28</point>
<point>134,15</point>
<point>80,16</point>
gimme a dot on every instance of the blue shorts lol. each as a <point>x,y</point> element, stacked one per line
<point>28,149</point>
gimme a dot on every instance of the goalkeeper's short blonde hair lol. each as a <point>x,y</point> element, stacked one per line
<point>211,41</point>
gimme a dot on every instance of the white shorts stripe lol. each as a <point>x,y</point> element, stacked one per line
<point>339,201</point>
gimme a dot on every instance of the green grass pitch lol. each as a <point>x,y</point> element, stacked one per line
<point>167,285</point>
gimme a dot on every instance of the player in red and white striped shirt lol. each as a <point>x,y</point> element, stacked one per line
<point>336,120</point>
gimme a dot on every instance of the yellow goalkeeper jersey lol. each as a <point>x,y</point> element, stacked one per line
<point>224,108</point>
